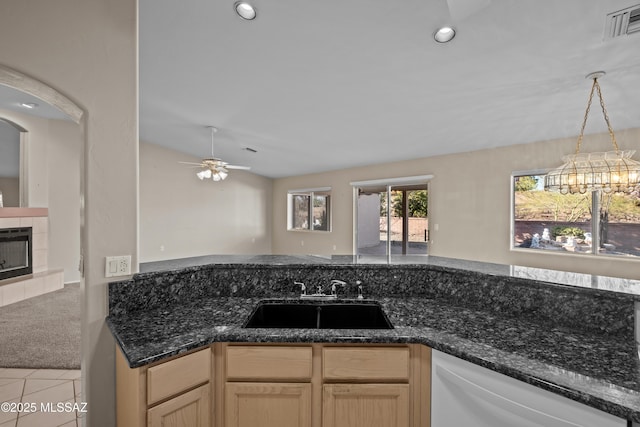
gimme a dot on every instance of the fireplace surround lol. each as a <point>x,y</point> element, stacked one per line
<point>16,252</point>
<point>42,279</point>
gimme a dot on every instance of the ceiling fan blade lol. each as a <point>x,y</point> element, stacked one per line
<point>462,9</point>
<point>246,168</point>
<point>190,163</point>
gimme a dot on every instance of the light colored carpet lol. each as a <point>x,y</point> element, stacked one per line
<point>42,332</point>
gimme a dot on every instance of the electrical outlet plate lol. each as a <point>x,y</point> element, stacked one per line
<point>117,266</point>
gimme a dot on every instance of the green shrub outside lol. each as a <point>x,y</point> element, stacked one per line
<point>567,231</point>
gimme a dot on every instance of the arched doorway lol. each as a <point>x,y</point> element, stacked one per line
<point>32,131</point>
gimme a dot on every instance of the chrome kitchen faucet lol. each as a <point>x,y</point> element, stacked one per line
<point>320,295</point>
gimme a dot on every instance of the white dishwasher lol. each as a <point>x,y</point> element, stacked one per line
<point>468,395</point>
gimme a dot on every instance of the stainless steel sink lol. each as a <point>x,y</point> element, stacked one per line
<point>319,315</point>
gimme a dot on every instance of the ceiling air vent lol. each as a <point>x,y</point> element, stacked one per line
<point>622,22</point>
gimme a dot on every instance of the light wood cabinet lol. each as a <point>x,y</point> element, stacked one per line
<point>267,385</point>
<point>190,409</point>
<point>370,364</point>
<point>267,405</point>
<point>378,390</point>
<point>325,385</point>
<point>259,362</point>
<point>365,405</point>
<point>174,393</point>
<point>279,385</point>
<point>173,377</point>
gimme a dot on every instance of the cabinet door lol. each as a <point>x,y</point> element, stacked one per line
<point>190,409</point>
<point>365,405</point>
<point>267,405</point>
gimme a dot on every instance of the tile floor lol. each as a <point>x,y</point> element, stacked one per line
<point>53,393</point>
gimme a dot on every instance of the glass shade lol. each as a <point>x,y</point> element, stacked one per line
<point>204,174</point>
<point>611,171</point>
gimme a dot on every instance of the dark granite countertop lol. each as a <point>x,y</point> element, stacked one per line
<point>596,369</point>
<point>581,280</point>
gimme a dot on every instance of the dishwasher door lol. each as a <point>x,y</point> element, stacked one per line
<point>468,395</point>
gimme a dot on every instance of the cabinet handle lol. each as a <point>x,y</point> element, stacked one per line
<point>502,402</point>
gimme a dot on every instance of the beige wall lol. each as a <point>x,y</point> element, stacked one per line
<point>182,216</point>
<point>63,160</point>
<point>87,50</point>
<point>469,200</point>
<point>10,189</point>
<point>53,149</point>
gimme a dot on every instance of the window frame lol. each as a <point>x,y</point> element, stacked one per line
<point>311,193</point>
<point>594,222</point>
<point>389,184</point>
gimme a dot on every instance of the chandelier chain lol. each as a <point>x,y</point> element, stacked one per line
<point>586,116</point>
<point>606,116</point>
<point>596,87</point>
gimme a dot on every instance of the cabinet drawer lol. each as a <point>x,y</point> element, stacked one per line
<point>175,376</point>
<point>268,362</point>
<point>366,363</point>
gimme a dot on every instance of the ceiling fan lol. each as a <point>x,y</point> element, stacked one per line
<point>214,168</point>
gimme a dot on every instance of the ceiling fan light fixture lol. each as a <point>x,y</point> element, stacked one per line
<point>444,34</point>
<point>214,168</point>
<point>206,173</point>
<point>245,10</point>
<point>219,175</point>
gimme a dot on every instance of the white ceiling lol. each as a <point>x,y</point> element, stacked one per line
<point>10,99</point>
<point>322,85</point>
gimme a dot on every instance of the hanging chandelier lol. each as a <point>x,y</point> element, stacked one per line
<point>611,171</point>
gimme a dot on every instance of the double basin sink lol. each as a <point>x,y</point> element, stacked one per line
<point>319,315</point>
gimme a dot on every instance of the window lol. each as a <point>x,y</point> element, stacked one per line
<point>596,223</point>
<point>309,209</point>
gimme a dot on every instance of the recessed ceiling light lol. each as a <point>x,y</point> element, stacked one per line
<point>245,10</point>
<point>29,105</point>
<point>444,34</point>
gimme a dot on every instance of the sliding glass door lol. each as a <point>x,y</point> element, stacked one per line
<point>391,220</point>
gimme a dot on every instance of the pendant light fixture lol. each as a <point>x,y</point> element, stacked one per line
<point>611,171</point>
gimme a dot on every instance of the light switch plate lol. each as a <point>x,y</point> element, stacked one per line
<point>117,266</point>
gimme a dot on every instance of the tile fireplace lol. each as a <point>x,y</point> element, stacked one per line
<point>24,252</point>
<point>16,253</point>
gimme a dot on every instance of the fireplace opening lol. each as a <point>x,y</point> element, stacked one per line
<point>15,252</point>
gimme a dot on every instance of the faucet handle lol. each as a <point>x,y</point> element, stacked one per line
<point>335,282</point>
<point>359,283</point>
<point>303,287</point>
